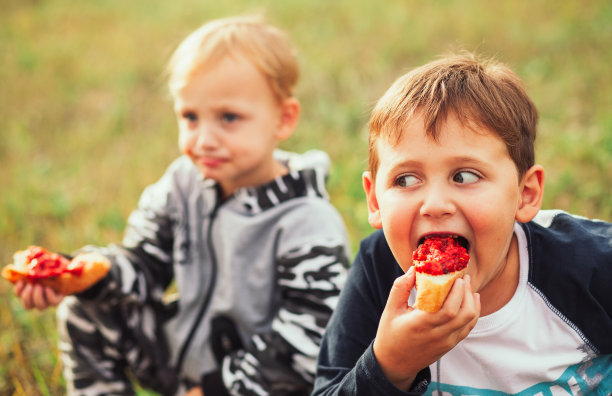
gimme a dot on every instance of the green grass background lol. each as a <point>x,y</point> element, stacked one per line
<point>86,122</point>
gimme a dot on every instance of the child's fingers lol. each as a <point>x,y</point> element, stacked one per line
<point>38,297</point>
<point>52,297</point>
<point>18,288</point>
<point>463,296</point>
<point>455,297</point>
<point>470,305</point>
<point>24,291</point>
<point>476,297</point>
<point>459,306</point>
<point>469,320</point>
<point>197,391</point>
<point>465,317</point>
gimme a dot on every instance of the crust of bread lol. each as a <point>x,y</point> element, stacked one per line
<point>95,267</point>
<point>433,289</point>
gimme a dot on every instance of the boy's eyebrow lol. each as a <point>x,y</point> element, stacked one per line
<point>468,159</point>
<point>402,166</point>
<point>462,159</point>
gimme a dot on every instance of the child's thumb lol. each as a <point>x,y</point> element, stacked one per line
<point>400,291</point>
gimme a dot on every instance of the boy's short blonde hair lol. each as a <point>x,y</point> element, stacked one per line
<point>483,93</point>
<point>266,46</point>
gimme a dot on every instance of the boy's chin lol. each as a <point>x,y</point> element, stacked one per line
<point>406,267</point>
<point>207,173</point>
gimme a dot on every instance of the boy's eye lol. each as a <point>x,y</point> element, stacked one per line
<point>466,177</point>
<point>406,181</point>
<point>229,117</point>
<point>190,116</point>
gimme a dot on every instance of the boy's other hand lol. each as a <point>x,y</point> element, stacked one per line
<point>408,340</point>
<point>37,296</point>
<point>197,391</point>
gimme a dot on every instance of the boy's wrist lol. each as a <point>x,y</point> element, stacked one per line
<point>401,380</point>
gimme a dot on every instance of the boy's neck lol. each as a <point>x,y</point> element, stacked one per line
<point>501,289</point>
<point>279,170</point>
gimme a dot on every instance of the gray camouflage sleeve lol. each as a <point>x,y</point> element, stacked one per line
<point>142,265</point>
<point>283,361</point>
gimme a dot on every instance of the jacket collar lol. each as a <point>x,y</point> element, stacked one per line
<point>306,178</point>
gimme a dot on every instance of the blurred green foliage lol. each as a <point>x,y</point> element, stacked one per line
<point>86,122</point>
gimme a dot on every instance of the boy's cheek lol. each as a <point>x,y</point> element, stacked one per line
<point>403,256</point>
<point>183,144</point>
<point>397,231</point>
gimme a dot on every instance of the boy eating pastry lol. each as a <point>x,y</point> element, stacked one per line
<point>452,155</point>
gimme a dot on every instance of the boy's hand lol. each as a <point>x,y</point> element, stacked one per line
<point>197,391</point>
<point>408,340</point>
<point>37,296</point>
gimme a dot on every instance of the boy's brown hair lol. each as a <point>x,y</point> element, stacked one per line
<point>267,47</point>
<point>478,92</point>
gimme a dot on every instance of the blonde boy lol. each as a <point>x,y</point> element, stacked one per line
<point>452,153</point>
<point>246,232</point>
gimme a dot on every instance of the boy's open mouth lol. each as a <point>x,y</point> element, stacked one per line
<point>460,240</point>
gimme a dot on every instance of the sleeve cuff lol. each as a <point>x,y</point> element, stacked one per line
<point>95,290</point>
<point>418,387</point>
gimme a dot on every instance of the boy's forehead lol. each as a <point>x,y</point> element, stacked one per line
<point>228,63</point>
<point>416,126</point>
<point>452,136</point>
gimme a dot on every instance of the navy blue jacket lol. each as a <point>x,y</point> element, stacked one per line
<point>570,262</point>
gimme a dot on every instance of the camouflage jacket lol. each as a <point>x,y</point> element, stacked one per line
<point>258,275</point>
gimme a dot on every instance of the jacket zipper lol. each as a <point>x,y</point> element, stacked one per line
<point>211,286</point>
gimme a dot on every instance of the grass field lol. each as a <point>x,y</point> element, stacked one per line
<point>86,122</point>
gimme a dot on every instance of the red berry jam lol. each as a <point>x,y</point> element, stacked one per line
<point>440,255</point>
<point>43,264</point>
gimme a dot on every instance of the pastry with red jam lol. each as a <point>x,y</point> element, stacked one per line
<point>438,261</point>
<point>38,265</point>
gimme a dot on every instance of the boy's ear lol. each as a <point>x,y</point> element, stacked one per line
<point>289,117</point>
<point>370,192</point>
<point>531,194</point>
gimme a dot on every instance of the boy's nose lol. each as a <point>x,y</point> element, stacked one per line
<point>437,202</point>
<point>206,137</point>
